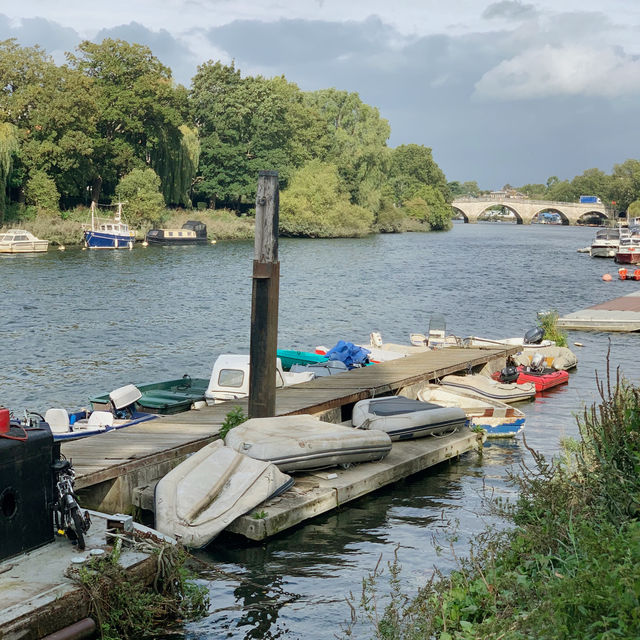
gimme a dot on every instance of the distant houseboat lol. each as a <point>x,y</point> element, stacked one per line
<point>192,232</point>
<point>108,234</point>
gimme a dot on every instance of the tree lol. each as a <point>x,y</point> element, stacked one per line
<point>140,189</point>
<point>625,183</point>
<point>412,167</point>
<point>562,191</point>
<point>592,182</point>
<point>315,205</point>
<point>357,143</point>
<point>8,148</point>
<point>141,111</point>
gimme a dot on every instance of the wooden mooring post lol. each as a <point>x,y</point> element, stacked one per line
<point>264,302</point>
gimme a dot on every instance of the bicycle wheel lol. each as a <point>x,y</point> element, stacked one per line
<point>76,518</point>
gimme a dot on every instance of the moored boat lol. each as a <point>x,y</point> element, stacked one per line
<point>497,418</point>
<point>290,357</point>
<point>21,241</point>
<point>108,234</point>
<point>303,442</point>
<point>606,242</point>
<point>629,250</point>
<point>192,232</point>
<point>479,384</point>
<point>403,418</point>
<point>166,397</point>
<point>210,489</point>
<point>78,424</point>
<point>543,379</point>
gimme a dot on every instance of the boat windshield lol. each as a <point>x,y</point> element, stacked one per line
<point>607,234</point>
<point>231,377</point>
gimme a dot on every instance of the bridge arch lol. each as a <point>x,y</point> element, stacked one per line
<point>563,216</point>
<point>487,214</point>
<point>597,216</point>
<point>459,213</point>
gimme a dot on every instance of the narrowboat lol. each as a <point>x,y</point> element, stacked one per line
<point>191,232</point>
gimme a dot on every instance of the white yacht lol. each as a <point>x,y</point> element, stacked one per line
<point>21,241</point>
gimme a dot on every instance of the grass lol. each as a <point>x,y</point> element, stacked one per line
<point>549,322</point>
<point>569,565</point>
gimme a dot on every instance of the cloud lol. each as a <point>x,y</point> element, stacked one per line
<point>561,70</point>
<point>54,38</point>
<point>509,10</point>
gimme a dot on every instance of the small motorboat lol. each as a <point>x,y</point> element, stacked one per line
<point>21,241</point>
<point>204,494</point>
<point>165,398</point>
<point>479,384</point>
<point>303,442</point>
<point>560,358</point>
<point>230,378</point>
<point>497,418</point>
<point>74,425</point>
<point>403,418</point>
<point>192,232</point>
<point>289,357</point>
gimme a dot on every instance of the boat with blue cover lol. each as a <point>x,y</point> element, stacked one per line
<point>110,233</point>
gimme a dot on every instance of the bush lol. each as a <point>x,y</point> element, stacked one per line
<point>141,190</point>
<point>41,191</point>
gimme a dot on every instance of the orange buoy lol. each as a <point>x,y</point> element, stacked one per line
<point>607,277</point>
<point>622,273</point>
<point>636,274</point>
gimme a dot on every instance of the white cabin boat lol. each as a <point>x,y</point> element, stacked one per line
<point>21,241</point>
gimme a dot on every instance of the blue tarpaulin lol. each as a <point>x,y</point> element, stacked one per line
<point>349,353</point>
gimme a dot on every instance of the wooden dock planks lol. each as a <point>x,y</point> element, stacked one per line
<point>167,440</point>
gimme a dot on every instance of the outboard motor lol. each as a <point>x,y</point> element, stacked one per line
<point>509,374</point>
<point>537,362</point>
<point>534,336</point>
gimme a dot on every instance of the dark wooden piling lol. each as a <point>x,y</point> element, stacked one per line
<point>264,304</point>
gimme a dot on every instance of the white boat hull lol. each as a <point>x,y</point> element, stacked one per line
<point>204,494</point>
<point>487,388</point>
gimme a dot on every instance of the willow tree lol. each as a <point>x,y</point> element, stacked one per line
<point>175,160</point>
<point>8,147</point>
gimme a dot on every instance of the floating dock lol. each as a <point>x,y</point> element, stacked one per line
<point>619,314</point>
<point>110,467</point>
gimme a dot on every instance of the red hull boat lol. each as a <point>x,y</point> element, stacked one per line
<point>543,380</point>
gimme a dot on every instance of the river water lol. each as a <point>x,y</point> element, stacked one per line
<point>77,323</point>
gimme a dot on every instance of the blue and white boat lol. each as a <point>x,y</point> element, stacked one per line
<point>108,234</point>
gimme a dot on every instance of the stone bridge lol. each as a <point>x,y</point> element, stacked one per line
<point>526,210</point>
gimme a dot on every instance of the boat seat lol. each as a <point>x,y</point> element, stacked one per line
<point>58,420</point>
<point>101,419</point>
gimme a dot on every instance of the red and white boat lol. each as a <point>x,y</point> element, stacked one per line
<point>629,250</point>
<point>543,380</point>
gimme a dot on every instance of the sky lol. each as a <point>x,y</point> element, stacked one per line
<point>507,92</point>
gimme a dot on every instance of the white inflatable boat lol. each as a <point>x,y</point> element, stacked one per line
<point>403,418</point>
<point>481,385</point>
<point>204,494</point>
<point>297,443</point>
<point>498,419</point>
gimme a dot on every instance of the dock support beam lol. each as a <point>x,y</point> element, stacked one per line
<point>264,303</point>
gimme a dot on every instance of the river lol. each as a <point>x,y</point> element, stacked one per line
<point>76,323</point>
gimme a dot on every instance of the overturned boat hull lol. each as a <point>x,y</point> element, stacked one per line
<point>204,494</point>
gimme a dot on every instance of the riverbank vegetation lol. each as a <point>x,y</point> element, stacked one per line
<point>112,125</point>
<point>567,568</point>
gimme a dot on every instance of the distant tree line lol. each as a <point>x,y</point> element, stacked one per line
<point>619,190</point>
<point>111,123</point>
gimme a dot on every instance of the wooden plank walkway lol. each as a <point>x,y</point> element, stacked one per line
<point>109,466</point>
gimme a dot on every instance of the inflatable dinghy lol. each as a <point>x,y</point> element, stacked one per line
<point>204,494</point>
<point>488,388</point>
<point>497,418</point>
<point>298,443</point>
<point>403,418</point>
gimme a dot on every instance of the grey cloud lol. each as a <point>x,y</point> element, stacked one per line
<point>168,49</point>
<point>51,36</point>
<point>509,10</point>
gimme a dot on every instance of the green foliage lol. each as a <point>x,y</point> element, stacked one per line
<point>390,219</point>
<point>8,147</point>
<point>41,191</point>
<point>412,168</point>
<point>633,210</point>
<point>140,189</point>
<point>570,566</point>
<point>126,608</point>
<point>315,206</point>
<point>235,417</point>
<point>259,515</point>
<point>549,322</point>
